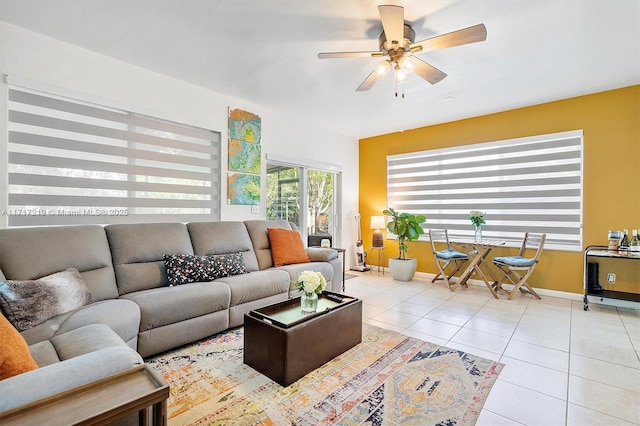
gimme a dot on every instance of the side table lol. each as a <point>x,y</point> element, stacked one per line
<point>380,252</point>
<point>344,275</point>
<point>100,403</point>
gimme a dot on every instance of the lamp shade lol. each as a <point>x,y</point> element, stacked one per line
<point>377,222</point>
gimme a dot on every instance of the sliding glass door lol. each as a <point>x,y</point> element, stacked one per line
<point>305,197</point>
<point>283,193</point>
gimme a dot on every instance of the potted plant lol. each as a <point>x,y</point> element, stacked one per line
<point>406,227</point>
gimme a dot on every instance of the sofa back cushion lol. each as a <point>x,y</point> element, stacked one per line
<point>223,238</point>
<point>138,253</point>
<point>260,239</point>
<point>32,253</point>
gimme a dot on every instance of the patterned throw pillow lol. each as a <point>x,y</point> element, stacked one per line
<point>28,303</point>
<point>188,268</point>
<point>228,264</point>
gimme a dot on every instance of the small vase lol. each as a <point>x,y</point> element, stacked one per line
<point>309,302</point>
<point>478,234</point>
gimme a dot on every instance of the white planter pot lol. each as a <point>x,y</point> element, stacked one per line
<point>402,270</point>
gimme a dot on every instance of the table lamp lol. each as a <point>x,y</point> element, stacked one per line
<point>377,222</point>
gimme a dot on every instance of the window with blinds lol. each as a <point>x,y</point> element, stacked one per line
<point>71,162</point>
<point>523,185</point>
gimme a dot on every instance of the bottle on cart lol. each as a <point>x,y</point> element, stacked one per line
<point>624,244</point>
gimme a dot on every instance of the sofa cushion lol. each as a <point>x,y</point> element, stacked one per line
<point>186,268</point>
<point>15,357</point>
<point>295,270</point>
<point>257,230</point>
<point>257,285</point>
<point>31,253</point>
<point>138,251</point>
<point>223,237</point>
<point>169,305</point>
<point>286,247</point>
<point>120,315</point>
<point>66,375</point>
<point>83,340</point>
<point>318,254</point>
<point>32,302</point>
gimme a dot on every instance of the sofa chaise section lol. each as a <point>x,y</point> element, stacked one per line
<point>67,361</point>
<point>32,253</point>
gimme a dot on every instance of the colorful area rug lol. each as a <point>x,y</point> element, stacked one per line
<point>388,379</point>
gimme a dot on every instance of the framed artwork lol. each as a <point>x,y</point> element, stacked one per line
<point>243,188</point>
<point>244,156</point>
<point>244,126</point>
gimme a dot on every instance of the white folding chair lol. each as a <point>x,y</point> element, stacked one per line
<point>445,256</point>
<point>519,268</point>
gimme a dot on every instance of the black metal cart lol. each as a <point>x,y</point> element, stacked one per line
<point>591,285</point>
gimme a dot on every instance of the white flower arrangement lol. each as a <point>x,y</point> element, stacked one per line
<point>476,217</point>
<point>311,282</point>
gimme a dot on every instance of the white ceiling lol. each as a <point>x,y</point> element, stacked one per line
<point>264,51</point>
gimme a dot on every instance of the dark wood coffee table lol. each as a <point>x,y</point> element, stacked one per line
<point>284,344</point>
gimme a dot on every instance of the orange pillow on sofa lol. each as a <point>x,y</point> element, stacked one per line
<point>286,247</point>
<point>15,357</point>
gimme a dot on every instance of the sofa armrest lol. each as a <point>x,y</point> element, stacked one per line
<point>319,254</point>
<point>64,376</point>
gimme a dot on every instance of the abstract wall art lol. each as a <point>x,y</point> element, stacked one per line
<point>245,154</point>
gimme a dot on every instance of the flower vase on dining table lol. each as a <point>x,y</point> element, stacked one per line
<point>478,233</point>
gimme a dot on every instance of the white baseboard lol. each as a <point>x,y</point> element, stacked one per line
<point>556,293</point>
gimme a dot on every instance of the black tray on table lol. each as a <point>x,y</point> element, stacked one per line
<point>289,313</point>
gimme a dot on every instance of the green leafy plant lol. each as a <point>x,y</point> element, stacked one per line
<point>406,227</point>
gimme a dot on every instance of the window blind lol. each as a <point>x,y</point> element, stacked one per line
<point>523,185</point>
<point>71,162</point>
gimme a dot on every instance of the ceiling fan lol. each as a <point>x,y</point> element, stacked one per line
<point>397,43</point>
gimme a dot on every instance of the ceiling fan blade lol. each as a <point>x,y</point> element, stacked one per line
<point>330,55</point>
<point>368,82</point>
<point>426,71</point>
<point>392,18</point>
<point>456,38</point>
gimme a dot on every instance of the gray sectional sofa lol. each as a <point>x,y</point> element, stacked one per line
<point>135,311</point>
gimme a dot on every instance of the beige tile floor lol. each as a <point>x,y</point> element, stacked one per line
<point>563,366</point>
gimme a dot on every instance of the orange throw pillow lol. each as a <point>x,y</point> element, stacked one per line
<point>15,357</point>
<point>286,247</point>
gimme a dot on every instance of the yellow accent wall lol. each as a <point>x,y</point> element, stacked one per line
<point>611,167</point>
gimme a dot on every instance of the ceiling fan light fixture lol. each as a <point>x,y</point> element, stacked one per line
<point>382,68</point>
<point>401,74</point>
<point>397,43</point>
<point>407,64</point>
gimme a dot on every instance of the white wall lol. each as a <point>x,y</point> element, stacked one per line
<point>77,72</point>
